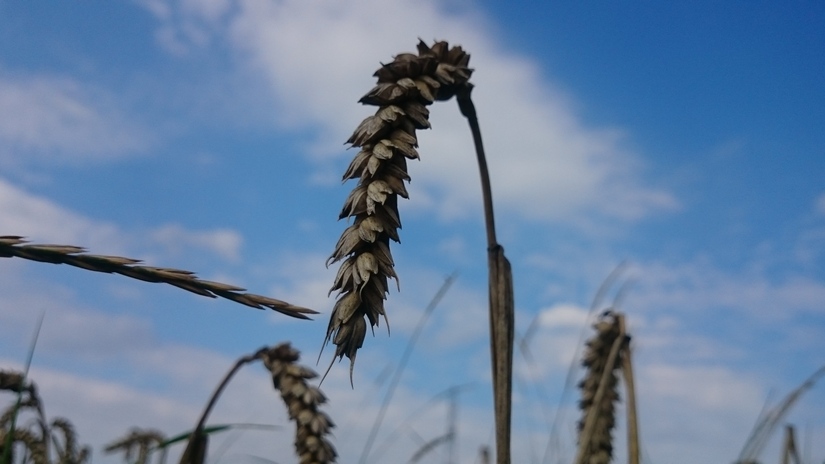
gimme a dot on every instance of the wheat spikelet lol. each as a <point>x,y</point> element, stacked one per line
<point>302,401</point>
<point>69,453</point>
<point>35,447</point>
<point>600,390</point>
<point>387,140</point>
<point>13,246</point>
<point>13,381</point>
<point>137,441</point>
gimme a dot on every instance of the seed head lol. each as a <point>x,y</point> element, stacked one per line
<point>387,140</point>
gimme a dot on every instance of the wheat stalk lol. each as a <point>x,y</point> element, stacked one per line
<point>387,140</point>
<point>13,246</point>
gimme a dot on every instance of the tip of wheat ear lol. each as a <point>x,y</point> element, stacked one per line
<point>405,87</point>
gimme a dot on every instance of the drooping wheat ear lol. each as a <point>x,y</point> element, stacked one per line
<point>387,140</point>
<point>137,441</point>
<point>12,246</point>
<point>31,443</point>
<point>600,389</point>
<point>13,381</point>
<point>302,401</point>
<point>69,453</point>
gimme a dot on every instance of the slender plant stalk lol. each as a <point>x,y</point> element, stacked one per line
<point>390,438</point>
<point>767,423</point>
<point>428,447</point>
<point>20,388</point>
<point>789,447</point>
<point>195,452</point>
<point>502,302</point>
<point>13,246</point>
<point>402,364</point>
<point>633,455</point>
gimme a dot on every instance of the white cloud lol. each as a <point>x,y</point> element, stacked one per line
<point>60,120</point>
<point>708,388</point>
<point>819,206</point>
<point>546,163</point>
<point>699,286</point>
<point>224,242</point>
<point>563,316</point>
<point>40,219</point>
<point>22,213</point>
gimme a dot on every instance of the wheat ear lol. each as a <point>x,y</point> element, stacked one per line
<point>137,441</point>
<point>302,401</point>
<point>600,390</point>
<point>13,246</point>
<point>387,140</point>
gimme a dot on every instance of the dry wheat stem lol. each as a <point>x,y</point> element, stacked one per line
<point>195,452</point>
<point>13,246</point>
<point>387,140</point>
<point>501,298</point>
<point>301,399</point>
<point>633,454</point>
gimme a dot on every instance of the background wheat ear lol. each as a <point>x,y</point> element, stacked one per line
<point>600,389</point>
<point>387,140</point>
<point>303,402</point>
<point>137,442</point>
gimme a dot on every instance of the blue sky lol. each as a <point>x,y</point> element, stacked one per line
<point>208,135</point>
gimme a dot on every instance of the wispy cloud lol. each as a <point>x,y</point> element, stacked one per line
<point>60,120</point>
<point>40,219</point>
<point>547,163</point>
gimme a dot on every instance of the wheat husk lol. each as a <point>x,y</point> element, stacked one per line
<point>386,140</point>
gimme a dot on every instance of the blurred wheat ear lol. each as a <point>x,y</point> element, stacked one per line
<point>37,438</point>
<point>301,399</point>
<point>14,246</point>
<point>603,357</point>
<point>137,441</point>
